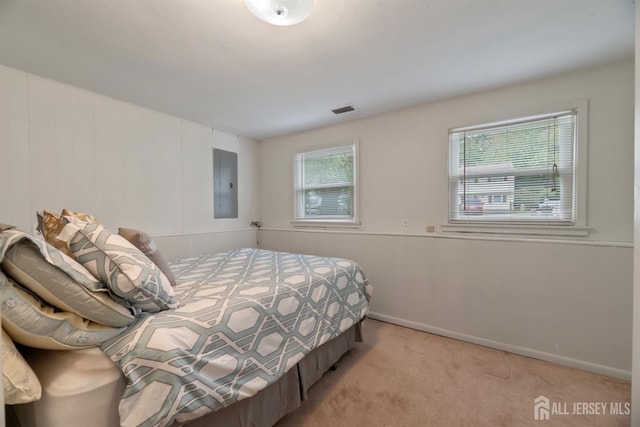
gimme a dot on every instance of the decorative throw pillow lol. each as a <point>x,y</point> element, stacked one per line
<point>40,223</point>
<point>24,263</point>
<point>34,323</point>
<point>50,228</point>
<point>80,215</point>
<point>4,227</point>
<point>20,383</point>
<point>147,246</point>
<point>130,275</point>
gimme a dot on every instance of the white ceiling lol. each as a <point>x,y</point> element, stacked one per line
<point>212,62</point>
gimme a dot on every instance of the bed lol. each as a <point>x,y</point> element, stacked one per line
<point>244,335</point>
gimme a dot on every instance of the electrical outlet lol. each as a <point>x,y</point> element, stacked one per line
<point>405,224</point>
<point>431,228</point>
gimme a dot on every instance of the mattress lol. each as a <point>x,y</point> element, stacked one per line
<point>80,388</point>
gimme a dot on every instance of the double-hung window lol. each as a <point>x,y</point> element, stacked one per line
<point>326,185</point>
<point>520,171</point>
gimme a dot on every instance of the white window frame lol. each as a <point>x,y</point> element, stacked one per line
<point>579,228</point>
<point>299,218</point>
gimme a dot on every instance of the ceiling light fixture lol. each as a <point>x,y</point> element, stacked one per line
<point>281,12</point>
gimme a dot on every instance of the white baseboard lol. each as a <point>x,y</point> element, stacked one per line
<point>549,357</point>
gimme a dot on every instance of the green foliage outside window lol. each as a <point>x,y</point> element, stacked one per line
<point>519,147</point>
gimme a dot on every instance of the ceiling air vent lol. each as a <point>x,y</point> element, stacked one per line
<point>343,110</point>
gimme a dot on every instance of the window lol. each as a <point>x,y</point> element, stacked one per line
<point>516,172</point>
<point>325,185</point>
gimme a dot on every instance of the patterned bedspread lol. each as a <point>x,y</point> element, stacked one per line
<point>245,317</point>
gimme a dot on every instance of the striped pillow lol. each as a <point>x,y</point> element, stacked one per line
<point>75,290</point>
<point>34,323</point>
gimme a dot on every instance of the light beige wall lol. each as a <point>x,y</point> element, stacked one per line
<point>566,300</point>
<point>403,155</point>
<point>635,380</point>
<point>66,147</point>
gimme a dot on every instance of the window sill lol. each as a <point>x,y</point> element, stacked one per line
<point>521,229</point>
<point>325,223</point>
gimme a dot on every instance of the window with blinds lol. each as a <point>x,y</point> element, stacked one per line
<point>519,171</point>
<point>325,184</point>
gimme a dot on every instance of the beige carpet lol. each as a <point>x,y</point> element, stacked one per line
<point>399,377</point>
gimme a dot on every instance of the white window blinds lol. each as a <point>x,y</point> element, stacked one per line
<point>326,184</point>
<point>520,171</point>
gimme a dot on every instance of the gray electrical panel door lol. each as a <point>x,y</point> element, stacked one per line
<point>225,184</point>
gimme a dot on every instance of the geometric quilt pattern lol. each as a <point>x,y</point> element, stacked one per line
<point>131,276</point>
<point>244,318</point>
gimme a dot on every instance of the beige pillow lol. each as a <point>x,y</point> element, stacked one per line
<point>147,246</point>
<point>20,383</point>
<point>52,226</point>
<point>80,215</point>
<point>4,227</point>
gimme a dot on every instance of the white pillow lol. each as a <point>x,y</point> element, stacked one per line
<point>20,383</point>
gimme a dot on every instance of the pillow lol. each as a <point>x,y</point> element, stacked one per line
<point>4,227</point>
<point>20,383</point>
<point>39,223</point>
<point>129,274</point>
<point>147,246</point>
<point>80,215</point>
<point>34,323</point>
<point>50,226</point>
<point>24,263</point>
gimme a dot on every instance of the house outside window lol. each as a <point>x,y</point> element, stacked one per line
<point>326,186</point>
<point>520,171</point>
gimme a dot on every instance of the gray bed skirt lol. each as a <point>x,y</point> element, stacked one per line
<point>274,402</point>
<point>261,410</point>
